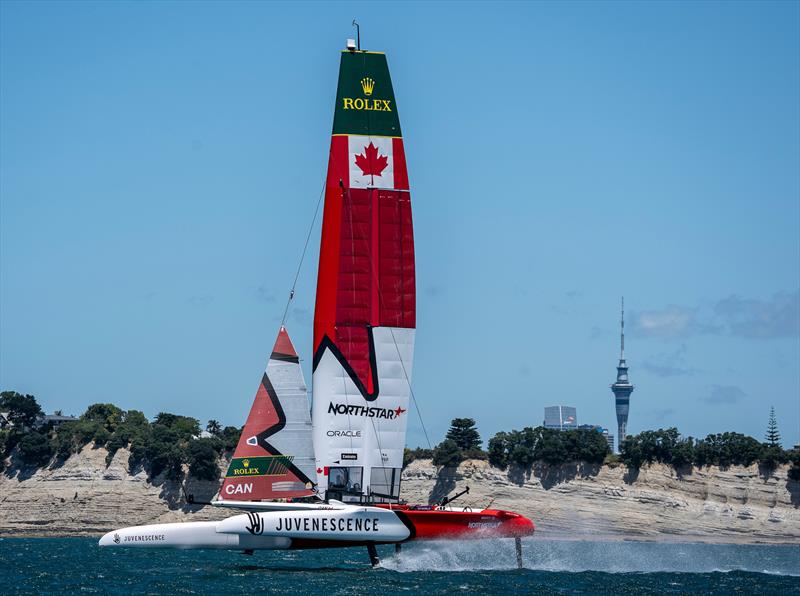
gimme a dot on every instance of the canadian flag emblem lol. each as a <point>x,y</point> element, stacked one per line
<point>371,162</point>
<point>360,161</point>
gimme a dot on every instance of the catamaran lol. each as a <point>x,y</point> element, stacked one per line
<point>330,476</point>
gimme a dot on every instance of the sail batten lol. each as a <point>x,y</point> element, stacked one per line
<point>366,291</point>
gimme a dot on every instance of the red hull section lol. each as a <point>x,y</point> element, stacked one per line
<point>441,524</point>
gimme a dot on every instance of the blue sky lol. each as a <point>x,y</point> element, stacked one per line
<point>160,164</point>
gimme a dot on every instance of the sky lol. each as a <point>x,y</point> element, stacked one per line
<point>160,163</point>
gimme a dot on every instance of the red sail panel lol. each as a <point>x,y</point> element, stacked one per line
<point>370,281</point>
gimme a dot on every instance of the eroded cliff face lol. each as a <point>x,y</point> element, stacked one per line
<point>708,504</point>
<point>85,497</point>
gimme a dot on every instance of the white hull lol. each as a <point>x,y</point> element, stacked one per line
<point>321,525</point>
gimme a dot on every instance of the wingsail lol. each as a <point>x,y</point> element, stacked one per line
<point>274,458</point>
<point>365,312</point>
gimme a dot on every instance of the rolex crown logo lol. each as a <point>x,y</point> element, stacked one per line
<point>367,85</point>
<point>246,463</point>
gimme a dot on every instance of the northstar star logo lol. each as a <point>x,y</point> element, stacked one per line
<point>370,162</point>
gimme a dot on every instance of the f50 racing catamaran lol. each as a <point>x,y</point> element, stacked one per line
<point>331,477</point>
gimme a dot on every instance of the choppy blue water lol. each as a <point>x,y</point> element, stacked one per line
<point>77,565</point>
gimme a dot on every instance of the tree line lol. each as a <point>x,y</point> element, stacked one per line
<point>517,447</point>
<point>170,441</point>
<point>163,445</point>
<point>526,447</point>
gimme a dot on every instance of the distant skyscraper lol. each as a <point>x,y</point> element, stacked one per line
<point>560,417</point>
<point>622,388</point>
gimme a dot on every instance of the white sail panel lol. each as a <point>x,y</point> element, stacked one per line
<point>358,443</point>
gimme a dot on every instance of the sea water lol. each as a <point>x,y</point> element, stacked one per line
<point>79,566</point>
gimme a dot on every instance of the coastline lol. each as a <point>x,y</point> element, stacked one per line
<point>738,505</point>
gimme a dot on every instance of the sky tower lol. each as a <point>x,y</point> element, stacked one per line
<point>622,389</point>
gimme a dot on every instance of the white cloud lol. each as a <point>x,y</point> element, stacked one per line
<point>749,318</point>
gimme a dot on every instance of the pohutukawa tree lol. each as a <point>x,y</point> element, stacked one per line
<point>773,437</point>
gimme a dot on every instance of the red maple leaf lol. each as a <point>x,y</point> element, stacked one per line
<point>370,162</point>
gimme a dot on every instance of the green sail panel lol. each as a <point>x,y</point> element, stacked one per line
<point>365,103</point>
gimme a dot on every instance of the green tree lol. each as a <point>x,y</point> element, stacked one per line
<point>773,437</point>
<point>498,450</point>
<point>794,458</point>
<point>214,427</point>
<point>464,434</point>
<point>230,437</point>
<point>551,449</point>
<point>447,453</point>
<point>585,445</point>
<point>683,452</point>
<point>35,448</point>
<point>203,460</point>
<point>772,455</point>
<point>184,426</point>
<point>135,419</point>
<point>106,415</point>
<point>23,410</point>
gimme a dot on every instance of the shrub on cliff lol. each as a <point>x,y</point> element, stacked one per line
<point>3,442</point>
<point>726,449</point>
<point>184,426</point>
<point>553,447</point>
<point>36,449</point>
<point>230,437</point>
<point>447,453</point>
<point>203,459</point>
<point>771,455</point>
<point>721,449</point>
<point>794,458</point>
<point>410,455</point>
<point>498,450</point>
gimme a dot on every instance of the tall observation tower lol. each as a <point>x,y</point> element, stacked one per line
<point>622,388</point>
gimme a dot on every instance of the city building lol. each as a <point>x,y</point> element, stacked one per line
<point>622,389</point>
<point>560,417</point>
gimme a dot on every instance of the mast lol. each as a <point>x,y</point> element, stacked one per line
<point>365,313</point>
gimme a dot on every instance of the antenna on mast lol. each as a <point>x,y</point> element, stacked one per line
<point>358,34</point>
<point>622,330</point>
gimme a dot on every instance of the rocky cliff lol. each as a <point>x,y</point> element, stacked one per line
<point>736,504</point>
<point>84,496</point>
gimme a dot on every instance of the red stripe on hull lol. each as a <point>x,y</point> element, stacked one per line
<point>440,524</point>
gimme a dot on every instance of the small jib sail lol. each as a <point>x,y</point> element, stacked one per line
<point>274,458</point>
<point>365,311</point>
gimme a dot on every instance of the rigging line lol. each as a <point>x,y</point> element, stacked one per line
<point>303,255</point>
<point>411,390</point>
